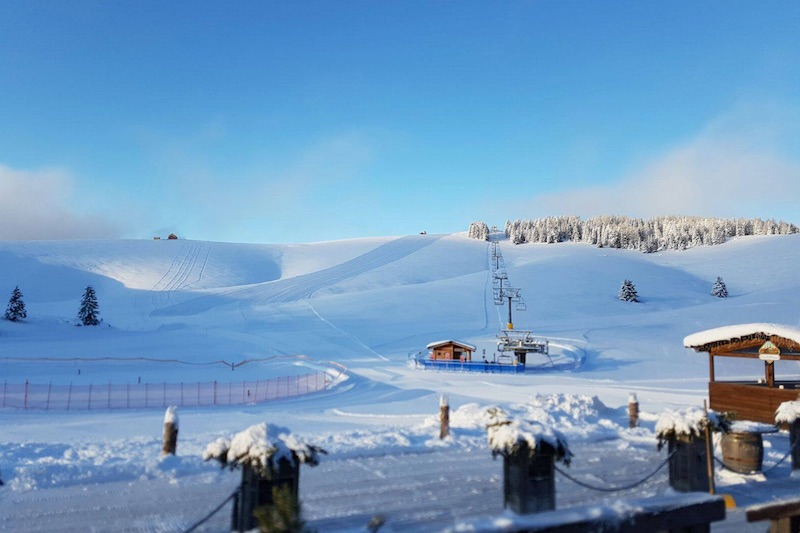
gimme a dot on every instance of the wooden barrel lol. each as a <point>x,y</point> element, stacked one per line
<point>743,452</point>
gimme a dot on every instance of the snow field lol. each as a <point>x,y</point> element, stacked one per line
<point>200,303</point>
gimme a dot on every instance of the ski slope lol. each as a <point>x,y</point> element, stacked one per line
<point>172,310</point>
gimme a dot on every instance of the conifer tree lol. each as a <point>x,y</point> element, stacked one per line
<point>627,292</point>
<point>16,306</point>
<point>719,289</point>
<point>88,312</point>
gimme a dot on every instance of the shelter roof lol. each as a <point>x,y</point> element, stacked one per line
<point>704,341</point>
<point>450,341</point>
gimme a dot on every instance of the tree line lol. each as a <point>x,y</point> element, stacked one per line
<point>651,235</point>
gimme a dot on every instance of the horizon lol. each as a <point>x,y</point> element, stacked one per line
<point>291,123</point>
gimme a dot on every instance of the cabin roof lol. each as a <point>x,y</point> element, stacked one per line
<point>704,341</point>
<point>450,341</point>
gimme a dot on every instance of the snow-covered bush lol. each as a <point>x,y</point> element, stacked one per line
<point>719,289</point>
<point>690,422</point>
<point>627,293</point>
<point>507,436</point>
<point>262,451</point>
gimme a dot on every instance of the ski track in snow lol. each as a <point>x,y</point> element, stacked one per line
<point>182,267</point>
<point>304,286</point>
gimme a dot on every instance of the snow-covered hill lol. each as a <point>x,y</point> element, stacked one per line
<point>365,305</point>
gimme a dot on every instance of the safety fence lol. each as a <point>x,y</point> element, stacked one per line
<point>458,366</point>
<point>145,395</point>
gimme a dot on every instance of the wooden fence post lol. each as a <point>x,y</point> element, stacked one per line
<point>794,442</point>
<point>633,411</point>
<point>529,483</point>
<point>688,468</point>
<point>257,490</point>
<point>170,431</point>
<point>444,416</point>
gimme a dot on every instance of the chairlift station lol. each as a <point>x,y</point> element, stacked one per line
<point>509,341</point>
<point>513,346</point>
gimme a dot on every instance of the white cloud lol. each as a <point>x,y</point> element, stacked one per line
<point>34,205</point>
<point>731,169</point>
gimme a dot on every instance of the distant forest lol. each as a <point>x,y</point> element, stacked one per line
<point>651,235</point>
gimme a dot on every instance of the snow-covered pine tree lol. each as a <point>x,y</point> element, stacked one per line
<point>719,289</point>
<point>88,313</point>
<point>16,306</point>
<point>478,230</point>
<point>627,292</point>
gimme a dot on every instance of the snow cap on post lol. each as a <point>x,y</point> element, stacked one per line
<point>262,450</point>
<point>691,422</point>
<point>788,412</point>
<point>506,436</point>
<point>171,416</point>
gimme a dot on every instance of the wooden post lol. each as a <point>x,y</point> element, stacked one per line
<point>444,417</point>
<point>688,468</point>
<point>256,490</point>
<point>633,411</point>
<point>794,443</point>
<point>711,366</point>
<point>769,373</point>
<point>170,431</point>
<point>529,480</point>
<point>712,489</point>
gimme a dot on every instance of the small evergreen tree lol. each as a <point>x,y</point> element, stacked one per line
<point>627,292</point>
<point>16,307</point>
<point>719,289</point>
<point>88,313</point>
<point>283,516</point>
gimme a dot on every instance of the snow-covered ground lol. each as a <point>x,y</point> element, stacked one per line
<point>186,311</point>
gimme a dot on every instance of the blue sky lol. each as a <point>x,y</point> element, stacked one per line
<point>299,121</point>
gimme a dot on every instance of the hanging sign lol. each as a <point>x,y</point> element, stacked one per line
<point>769,352</point>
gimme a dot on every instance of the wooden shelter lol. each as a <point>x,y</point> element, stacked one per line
<point>755,399</point>
<point>450,350</point>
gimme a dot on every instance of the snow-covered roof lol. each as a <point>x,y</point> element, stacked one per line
<point>450,341</point>
<point>701,339</point>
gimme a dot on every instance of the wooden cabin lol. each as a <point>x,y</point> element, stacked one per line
<point>755,399</point>
<point>450,350</point>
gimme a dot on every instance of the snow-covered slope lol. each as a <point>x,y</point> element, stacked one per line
<point>365,305</point>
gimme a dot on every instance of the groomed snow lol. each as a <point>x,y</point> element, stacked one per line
<point>360,310</point>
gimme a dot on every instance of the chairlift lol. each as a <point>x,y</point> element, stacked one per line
<point>521,306</point>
